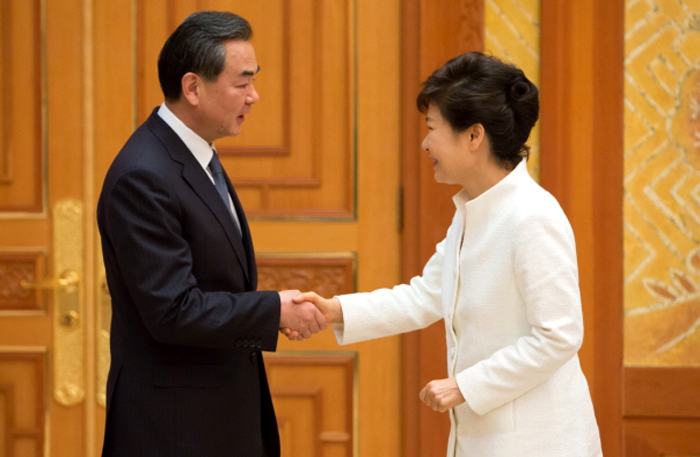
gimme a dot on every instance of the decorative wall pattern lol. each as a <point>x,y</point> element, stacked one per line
<point>662,183</point>
<point>512,29</point>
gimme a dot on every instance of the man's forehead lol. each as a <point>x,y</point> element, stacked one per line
<point>240,56</point>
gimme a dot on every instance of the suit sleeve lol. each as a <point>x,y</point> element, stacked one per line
<point>142,219</point>
<point>546,275</point>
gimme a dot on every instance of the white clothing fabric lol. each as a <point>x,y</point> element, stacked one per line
<point>198,146</point>
<point>505,281</point>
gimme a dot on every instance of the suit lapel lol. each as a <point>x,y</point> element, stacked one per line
<point>196,177</point>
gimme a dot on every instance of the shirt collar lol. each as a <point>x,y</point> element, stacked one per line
<point>492,196</point>
<point>197,145</point>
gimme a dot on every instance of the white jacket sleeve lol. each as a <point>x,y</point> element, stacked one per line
<point>546,274</point>
<point>387,312</point>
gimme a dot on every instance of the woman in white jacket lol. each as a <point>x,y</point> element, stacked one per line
<point>505,278</point>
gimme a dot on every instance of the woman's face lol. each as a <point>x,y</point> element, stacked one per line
<point>448,150</point>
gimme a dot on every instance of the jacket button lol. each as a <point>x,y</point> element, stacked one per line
<point>245,343</point>
<point>253,357</point>
<point>258,345</point>
<point>238,343</point>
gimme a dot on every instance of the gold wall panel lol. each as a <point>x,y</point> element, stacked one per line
<point>21,105</point>
<point>17,266</point>
<point>22,402</point>
<point>314,394</point>
<point>512,32</point>
<point>662,183</point>
<point>104,319</point>
<point>295,156</point>
<point>68,350</point>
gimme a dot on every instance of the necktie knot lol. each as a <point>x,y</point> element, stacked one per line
<point>215,165</point>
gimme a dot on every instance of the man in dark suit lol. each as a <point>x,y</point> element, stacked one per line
<point>187,378</point>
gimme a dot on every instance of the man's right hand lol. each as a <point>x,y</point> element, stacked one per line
<point>302,318</point>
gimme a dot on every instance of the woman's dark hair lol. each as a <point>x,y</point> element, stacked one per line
<point>478,89</point>
<point>197,46</point>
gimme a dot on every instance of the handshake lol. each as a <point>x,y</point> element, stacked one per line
<point>304,314</point>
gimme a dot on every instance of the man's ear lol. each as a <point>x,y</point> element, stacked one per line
<point>191,87</point>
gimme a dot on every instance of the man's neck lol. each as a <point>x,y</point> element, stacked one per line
<point>185,114</point>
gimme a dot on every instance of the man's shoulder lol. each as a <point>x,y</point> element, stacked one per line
<point>145,147</point>
<point>144,150</point>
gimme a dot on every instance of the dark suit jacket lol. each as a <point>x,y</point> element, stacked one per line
<point>186,377</point>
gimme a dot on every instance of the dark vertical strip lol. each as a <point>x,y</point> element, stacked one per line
<point>608,160</point>
<point>558,123</point>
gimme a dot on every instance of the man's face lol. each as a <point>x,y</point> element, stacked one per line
<point>225,102</point>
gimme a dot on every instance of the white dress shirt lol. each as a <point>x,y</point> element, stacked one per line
<point>198,146</point>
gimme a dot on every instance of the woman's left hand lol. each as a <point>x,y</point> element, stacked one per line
<point>442,394</point>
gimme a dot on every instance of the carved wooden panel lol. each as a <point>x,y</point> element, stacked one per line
<point>14,268</point>
<point>326,276</point>
<point>313,394</point>
<point>21,123</point>
<point>296,154</point>
<point>22,403</point>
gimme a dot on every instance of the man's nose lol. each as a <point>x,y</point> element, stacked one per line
<point>253,95</point>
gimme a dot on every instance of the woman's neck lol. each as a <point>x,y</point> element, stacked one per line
<point>486,174</point>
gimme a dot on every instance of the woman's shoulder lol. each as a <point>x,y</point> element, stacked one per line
<point>535,205</point>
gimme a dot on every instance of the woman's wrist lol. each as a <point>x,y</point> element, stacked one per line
<point>335,311</point>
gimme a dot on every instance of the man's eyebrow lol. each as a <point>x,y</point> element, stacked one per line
<point>250,73</point>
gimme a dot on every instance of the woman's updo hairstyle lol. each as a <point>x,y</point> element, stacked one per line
<point>478,89</point>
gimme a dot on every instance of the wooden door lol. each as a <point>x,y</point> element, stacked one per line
<point>43,219</point>
<point>317,171</point>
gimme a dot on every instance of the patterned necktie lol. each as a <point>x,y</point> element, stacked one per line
<point>217,172</point>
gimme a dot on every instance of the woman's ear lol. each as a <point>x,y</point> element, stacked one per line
<point>477,135</point>
<point>191,86</point>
